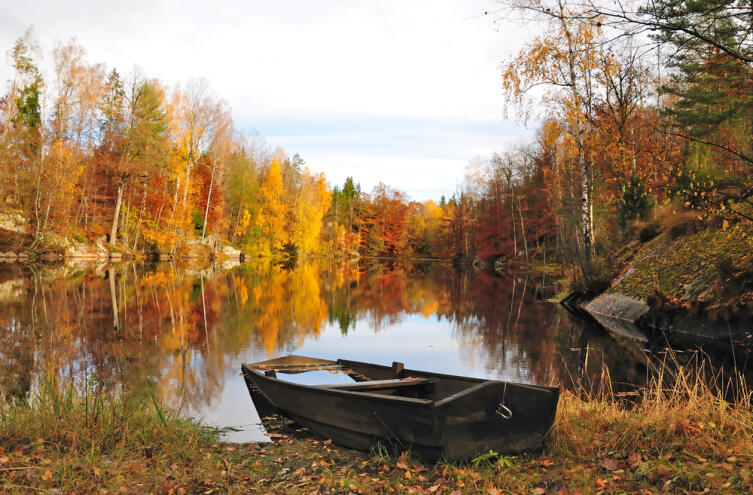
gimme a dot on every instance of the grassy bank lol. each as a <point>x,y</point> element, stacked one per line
<point>693,262</point>
<point>678,438</point>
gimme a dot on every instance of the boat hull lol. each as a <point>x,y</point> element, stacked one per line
<point>467,421</point>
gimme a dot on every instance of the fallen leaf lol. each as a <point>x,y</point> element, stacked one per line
<point>613,464</point>
<point>47,475</point>
<point>539,491</point>
<point>403,461</point>
<point>634,459</point>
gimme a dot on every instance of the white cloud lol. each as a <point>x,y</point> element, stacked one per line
<point>287,65</point>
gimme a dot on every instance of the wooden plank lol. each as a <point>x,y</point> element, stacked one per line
<point>379,384</point>
<point>296,364</point>
<point>293,368</point>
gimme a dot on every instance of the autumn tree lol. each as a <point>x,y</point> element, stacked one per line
<point>241,186</point>
<point>426,225</point>
<point>709,51</point>
<point>386,222</point>
<point>195,115</point>
<point>135,134</point>
<point>311,205</point>
<point>24,133</point>
<point>460,226</point>
<point>219,151</point>
<point>497,230</point>
<point>272,217</point>
<point>89,152</point>
<point>563,60</point>
<point>685,21</point>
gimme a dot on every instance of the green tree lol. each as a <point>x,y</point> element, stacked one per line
<point>634,202</point>
<point>135,128</point>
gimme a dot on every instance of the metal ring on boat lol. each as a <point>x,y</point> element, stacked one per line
<point>503,411</point>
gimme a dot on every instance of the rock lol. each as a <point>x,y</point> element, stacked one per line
<point>11,290</point>
<point>229,264</point>
<point>85,251</point>
<point>13,222</point>
<point>50,256</point>
<point>231,252</point>
<point>619,314</point>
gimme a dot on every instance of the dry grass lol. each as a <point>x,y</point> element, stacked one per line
<point>679,435</point>
<point>679,410</point>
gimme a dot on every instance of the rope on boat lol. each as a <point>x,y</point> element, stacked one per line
<point>502,410</point>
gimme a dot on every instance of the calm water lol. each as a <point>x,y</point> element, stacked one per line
<point>185,331</point>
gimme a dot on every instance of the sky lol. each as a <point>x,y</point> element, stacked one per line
<point>402,92</point>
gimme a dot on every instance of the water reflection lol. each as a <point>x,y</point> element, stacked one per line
<point>186,330</point>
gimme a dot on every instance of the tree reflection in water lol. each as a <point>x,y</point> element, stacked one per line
<point>187,329</point>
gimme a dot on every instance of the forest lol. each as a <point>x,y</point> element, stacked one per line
<point>635,185</point>
<point>641,124</point>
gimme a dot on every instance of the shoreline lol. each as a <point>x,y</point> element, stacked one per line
<point>675,440</point>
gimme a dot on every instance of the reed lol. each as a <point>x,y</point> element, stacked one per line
<point>690,422</point>
<point>71,438</point>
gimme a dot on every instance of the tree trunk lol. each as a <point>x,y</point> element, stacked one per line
<point>523,230</point>
<point>583,165</point>
<point>209,199</point>
<point>138,223</point>
<point>585,207</point>
<point>118,201</point>
<point>114,298</point>
<point>512,217</point>
<point>188,178</point>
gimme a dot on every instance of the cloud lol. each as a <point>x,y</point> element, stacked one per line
<point>389,79</point>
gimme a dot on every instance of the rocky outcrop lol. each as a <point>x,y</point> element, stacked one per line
<point>619,314</point>
<point>231,252</point>
<point>87,251</point>
<point>676,290</point>
<point>211,247</point>
<point>13,222</point>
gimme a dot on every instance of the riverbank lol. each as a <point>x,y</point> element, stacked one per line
<point>683,278</point>
<point>680,439</point>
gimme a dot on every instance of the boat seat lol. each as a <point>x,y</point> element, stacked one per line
<point>380,384</point>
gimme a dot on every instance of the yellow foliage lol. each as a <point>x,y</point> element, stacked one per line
<point>272,214</point>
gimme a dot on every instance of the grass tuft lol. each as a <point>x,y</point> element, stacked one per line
<point>85,434</point>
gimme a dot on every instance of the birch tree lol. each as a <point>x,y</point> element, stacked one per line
<point>562,61</point>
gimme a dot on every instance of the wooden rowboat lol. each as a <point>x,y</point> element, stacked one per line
<point>434,414</point>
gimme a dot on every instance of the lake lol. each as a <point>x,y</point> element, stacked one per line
<point>183,332</point>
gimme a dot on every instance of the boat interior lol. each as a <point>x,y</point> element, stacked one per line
<point>370,378</point>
